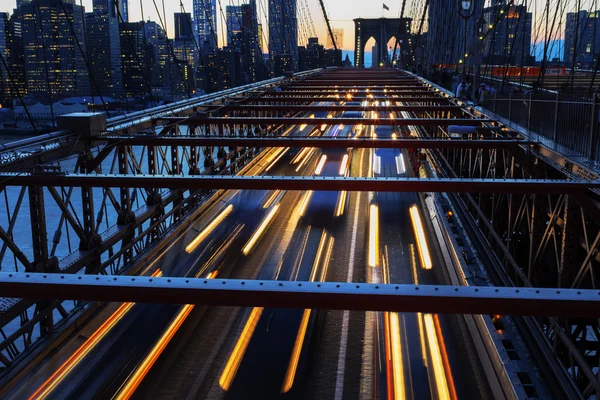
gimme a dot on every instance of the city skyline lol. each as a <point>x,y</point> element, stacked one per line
<point>341,14</point>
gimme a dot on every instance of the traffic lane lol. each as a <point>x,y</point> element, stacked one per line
<point>335,374</point>
<point>179,260</point>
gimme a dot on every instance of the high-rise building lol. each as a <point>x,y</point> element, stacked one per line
<point>54,64</point>
<point>183,26</point>
<point>338,35</point>
<point>283,35</point>
<point>16,60</point>
<point>5,83</point>
<point>205,23</point>
<point>104,51</point>
<point>124,8</point>
<point>234,26</point>
<point>582,39</point>
<point>510,40</point>
<point>135,60</point>
<point>160,57</point>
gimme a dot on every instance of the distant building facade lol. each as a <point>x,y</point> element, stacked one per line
<point>509,42</point>
<point>283,36</point>
<point>205,23</point>
<point>582,39</point>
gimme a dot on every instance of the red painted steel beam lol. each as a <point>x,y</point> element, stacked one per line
<point>337,108</point>
<point>325,295</point>
<point>389,93</point>
<point>313,99</point>
<point>200,120</point>
<point>358,184</point>
<point>319,142</point>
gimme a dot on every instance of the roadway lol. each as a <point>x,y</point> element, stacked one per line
<point>165,351</point>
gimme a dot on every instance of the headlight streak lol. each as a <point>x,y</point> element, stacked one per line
<point>341,203</point>
<point>400,168</point>
<point>271,199</point>
<point>420,238</point>
<point>208,229</point>
<point>373,236</point>
<point>306,158</point>
<point>439,374</point>
<point>304,203</point>
<point>344,165</point>
<point>280,154</point>
<point>259,232</point>
<point>321,164</point>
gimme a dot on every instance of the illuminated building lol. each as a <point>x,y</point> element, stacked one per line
<point>283,36</point>
<point>205,23</point>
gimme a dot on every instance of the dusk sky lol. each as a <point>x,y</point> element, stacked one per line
<point>341,12</point>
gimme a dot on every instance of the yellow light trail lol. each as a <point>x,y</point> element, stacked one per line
<point>341,204</point>
<point>436,359</point>
<point>373,235</point>
<point>261,229</point>
<point>142,370</point>
<point>280,154</point>
<point>271,199</point>
<point>321,164</point>
<point>420,236</point>
<point>235,359</point>
<point>300,154</point>
<point>59,375</point>
<point>344,165</point>
<point>397,362</point>
<point>305,159</point>
<point>305,201</point>
<point>209,228</point>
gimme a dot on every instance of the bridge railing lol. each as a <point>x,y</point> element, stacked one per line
<point>570,120</point>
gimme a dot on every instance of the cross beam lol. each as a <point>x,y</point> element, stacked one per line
<point>200,120</point>
<point>312,99</point>
<point>319,142</point>
<point>325,295</point>
<point>460,185</point>
<point>314,92</point>
<point>337,108</point>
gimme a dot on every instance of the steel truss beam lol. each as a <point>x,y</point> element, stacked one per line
<point>315,108</point>
<point>320,142</point>
<point>323,121</point>
<point>449,185</point>
<point>312,99</point>
<point>389,93</point>
<point>327,295</point>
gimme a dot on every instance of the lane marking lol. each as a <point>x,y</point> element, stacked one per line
<point>339,380</point>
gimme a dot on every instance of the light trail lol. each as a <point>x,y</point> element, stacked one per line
<point>305,202</point>
<point>325,255</point>
<point>397,362</point>
<point>400,168</point>
<point>235,359</point>
<point>259,232</point>
<point>420,236</point>
<point>271,199</point>
<point>142,370</point>
<point>209,228</point>
<point>373,235</point>
<point>306,158</point>
<point>341,204</point>
<point>344,165</point>
<point>439,374</point>
<point>321,164</point>
<point>280,154</point>
<point>300,154</point>
<point>445,358</point>
<point>61,373</point>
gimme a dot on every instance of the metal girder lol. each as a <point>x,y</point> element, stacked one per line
<point>389,93</point>
<point>312,99</point>
<point>315,108</point>
<point>326,295</point>
<point>319,142</point>
<point>323,121</point>
<point>463,185</point>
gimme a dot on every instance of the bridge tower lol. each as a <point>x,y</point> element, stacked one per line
<point>382,30</point>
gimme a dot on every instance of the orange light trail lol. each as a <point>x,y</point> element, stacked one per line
<point>57,377</point>
<point>261,229</point>
<point>420,236</point>
<point>209,228</point>
<point>321,164</point>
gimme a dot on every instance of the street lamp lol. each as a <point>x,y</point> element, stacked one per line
<point>465,11</point>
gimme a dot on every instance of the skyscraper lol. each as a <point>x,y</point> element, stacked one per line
<point>234,26</point>
<point>183,26</point>
<point>205,23</point>
<point>5,87</point>
<point>135,60</point>
<point>510,41</point>
<point>283,35</point>
<point>104,52</point>
<point>582,39</point>
<point>54,64</point>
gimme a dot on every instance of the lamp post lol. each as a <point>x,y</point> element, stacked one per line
<point>465,10</point>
